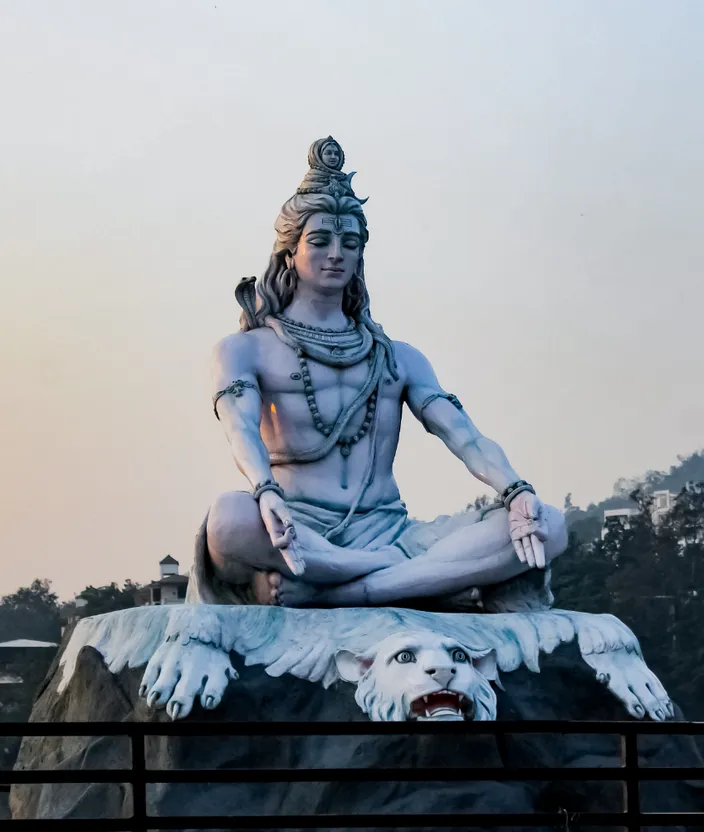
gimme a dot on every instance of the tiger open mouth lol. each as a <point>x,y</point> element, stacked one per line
<point>442,704</point>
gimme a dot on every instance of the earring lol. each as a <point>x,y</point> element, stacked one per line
<point>289,278</point>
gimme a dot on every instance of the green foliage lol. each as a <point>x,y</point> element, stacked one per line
<point>31,612</point>
<point>586,523</point>
<point>108,598</point>
<point>650,576</point>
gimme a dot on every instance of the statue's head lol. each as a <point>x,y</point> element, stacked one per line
<point>321,232</point>
<point>326,154</point>
<point>418,675</point>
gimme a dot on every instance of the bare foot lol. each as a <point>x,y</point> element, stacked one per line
<point>266,588</point>
<point>469,600</point>
<point>297,593</point>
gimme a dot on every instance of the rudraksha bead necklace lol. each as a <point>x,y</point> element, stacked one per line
<point>345,443</point>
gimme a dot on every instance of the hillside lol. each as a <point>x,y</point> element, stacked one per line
<point>586,523</point>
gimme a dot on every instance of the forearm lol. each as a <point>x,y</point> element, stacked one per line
<point>487,462</point>
<point>250,454</point>
<point>481,455</point>
<point>239,412</point>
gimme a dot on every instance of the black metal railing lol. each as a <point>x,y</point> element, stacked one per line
<point>629,773</point>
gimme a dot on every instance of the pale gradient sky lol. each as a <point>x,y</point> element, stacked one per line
<point>536,181</point>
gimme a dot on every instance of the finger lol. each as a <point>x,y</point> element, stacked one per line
<point>528,549</point>
<point>294,560</point>
<point>285,539</point>
<point>538,551</point>
<point>519,551</point>
<point>284,516</point>
<point>541,528</point>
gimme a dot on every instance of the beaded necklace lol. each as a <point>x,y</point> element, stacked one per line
<point>344,443</point>
<point>337,348</point>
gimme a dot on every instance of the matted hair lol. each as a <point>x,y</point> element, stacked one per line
<point>276,287</point>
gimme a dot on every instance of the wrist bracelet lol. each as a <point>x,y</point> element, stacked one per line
<point>515,488</point>
<point>267,485</point>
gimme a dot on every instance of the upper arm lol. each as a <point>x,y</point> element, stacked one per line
<point>438,410</point>
<point>235,387</point>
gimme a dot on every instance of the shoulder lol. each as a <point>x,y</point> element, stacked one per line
<point>241,348</point>
<point>411,361</point>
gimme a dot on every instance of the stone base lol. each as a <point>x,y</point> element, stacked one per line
<point>564,689</point>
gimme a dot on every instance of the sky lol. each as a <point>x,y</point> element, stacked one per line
<point>535,174</point>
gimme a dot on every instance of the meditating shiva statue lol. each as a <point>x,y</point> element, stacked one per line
<point>310,393</point>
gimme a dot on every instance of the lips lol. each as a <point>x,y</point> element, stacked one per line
<point>442,704</point>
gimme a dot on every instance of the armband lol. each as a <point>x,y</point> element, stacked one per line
<point>439,395</point>
<point>237,389</point>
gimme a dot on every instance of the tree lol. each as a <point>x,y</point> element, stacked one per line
<point>32,612</point>
<point>108,598</point>
<point>650,576</point>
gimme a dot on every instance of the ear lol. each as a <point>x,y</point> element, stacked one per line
<point>485,664</point>
<point>351,667</point>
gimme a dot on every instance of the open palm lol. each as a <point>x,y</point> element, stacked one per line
<point>528,528</point>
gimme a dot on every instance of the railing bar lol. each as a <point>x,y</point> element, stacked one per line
<point>203,729</point>
<point>631,785</point>
<point>371,821</point>
<point>351,775</point>
<point>138,780</point>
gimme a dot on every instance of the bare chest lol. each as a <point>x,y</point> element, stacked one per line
<point>287,384</point>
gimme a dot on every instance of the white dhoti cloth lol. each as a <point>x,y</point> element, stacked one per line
<point>381,526</point>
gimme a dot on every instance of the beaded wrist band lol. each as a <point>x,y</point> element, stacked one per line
<point>515,488</point>
<point>267,485</point>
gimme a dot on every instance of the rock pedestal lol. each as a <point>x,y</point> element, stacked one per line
<point>564,689</point>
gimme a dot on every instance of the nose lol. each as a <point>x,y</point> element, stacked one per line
<point>442,675</point>
<point>335,255</point>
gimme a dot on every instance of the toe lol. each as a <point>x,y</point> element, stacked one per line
<point>161,691</point>
<point>215,687</point>
<point>151,674</point>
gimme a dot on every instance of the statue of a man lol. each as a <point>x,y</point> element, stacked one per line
<point>310,393</point>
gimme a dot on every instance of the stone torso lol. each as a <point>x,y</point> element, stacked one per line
<point>287,425</point>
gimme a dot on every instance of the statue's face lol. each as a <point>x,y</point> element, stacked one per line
<point>330,155</point>
<point>328,251</point>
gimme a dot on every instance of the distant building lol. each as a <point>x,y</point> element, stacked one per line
<point>618,517</point>
<point>169,589</point>
<point>662,504</point>
<point>21,657</point>
<point>71,612</point>
<point>663,501</point>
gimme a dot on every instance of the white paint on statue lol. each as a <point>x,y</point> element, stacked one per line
<point>186,649</point>
<point>420,675</point>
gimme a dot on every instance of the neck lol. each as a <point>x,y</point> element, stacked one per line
<point>316,309</point>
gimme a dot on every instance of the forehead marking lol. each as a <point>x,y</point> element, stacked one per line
<point>338,223</point>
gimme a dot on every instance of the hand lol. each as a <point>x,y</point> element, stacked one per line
<point>528,528</point>
<point>282,533</point>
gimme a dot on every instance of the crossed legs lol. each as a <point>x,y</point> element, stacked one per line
<point>476,555</point>
<point>240,550</point>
